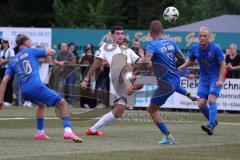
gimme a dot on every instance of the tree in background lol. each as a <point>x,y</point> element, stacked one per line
<point>132,14</point>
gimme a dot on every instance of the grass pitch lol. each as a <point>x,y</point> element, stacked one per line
<point>127,139</point>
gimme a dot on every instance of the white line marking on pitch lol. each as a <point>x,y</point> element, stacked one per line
<point>22,118</point>
<point>53,118</point>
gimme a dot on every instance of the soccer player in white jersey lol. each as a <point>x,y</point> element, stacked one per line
<point>119,57</point>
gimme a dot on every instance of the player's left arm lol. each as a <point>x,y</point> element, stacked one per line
<point>222,65</point>
<point>50,52</point>
<point>180,57</point>
<point>222,73</point>
<point>178,54</point>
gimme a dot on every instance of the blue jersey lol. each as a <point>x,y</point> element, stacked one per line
<point>208,60</point>
<point>163,58</point>
<point>26,66</point>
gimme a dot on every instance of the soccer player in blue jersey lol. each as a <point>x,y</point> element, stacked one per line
<point>161,54</point>
<point>212,70</point>
<point>26,66</point>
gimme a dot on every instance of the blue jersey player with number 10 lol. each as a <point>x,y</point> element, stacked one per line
<point>25,66</point>
<point>212,70</point>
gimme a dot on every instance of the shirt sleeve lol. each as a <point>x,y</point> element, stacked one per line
<point>11,53</point>
<point>9,71</point>
<point>100,52</point>
<point>149,49</point>
<point>71,56</point>
<point>192,56</point>
<point>219,53</point>
<point>134,57</point>
<point>39,52</point>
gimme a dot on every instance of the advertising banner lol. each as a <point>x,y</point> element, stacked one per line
<point>229,98</point>
<point>40,36</point>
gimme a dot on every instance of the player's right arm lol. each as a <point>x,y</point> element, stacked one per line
<point>97,63</point>
<point>148,55</point>
<point>3,86</point>
<point>50,51</point>
<point>189,62</point>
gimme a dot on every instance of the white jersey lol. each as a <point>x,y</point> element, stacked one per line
<point>114,55</point>
<point>108,50</point>
<point>7,55</point>
<point>45,73</point>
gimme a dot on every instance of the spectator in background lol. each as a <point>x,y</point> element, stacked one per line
<point>233,62</point>
<point>90,46</point>
<point>44,70</point>
<point>87,61</point>
<point>5,55</point>
<point>67,77</point>
<point>16,87</point>
<point>73,48</point>
<point>227,52</point>
<point>137,48</point>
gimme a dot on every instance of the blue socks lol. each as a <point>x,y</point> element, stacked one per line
<point>163,128</point>
<point>66,122</point>
<point>205,111</point>
<point>212,114</point>
<point>40,123</point>
<point>181,90</point>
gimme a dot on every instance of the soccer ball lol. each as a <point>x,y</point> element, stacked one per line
<point>171,14</point>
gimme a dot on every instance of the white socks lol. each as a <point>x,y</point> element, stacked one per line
<point>40,131</point>
<point>103,121</point>
<point>67,129</point>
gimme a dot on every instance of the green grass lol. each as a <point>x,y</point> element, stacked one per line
<point>123,140</point>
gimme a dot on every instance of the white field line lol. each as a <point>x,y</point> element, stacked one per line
<point>53,118</point>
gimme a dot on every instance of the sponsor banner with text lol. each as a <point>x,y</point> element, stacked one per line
<point>229,97</point>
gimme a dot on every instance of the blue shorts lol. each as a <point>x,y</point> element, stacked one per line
<point>42,95</point>
<point>164,90</point>
<point>204,89</point>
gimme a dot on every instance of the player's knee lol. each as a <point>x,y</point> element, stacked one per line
<point>212,98</point>
<point>202,103</point>
<point>62,103</point>
<point>118,110</point>
<point>41,106</point>
<point>152,108</point>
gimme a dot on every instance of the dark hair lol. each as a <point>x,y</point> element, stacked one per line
<point>136,40</point>
<point>114,28</point>
<point>4,41</point>
<point>72,44</point>
<point>156,27</point>
<point>21,38</point>
<point>75,50</point>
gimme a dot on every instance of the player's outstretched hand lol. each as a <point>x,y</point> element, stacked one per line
<point>181,68</point>
<point>219,83</point>
<point>84,84</point>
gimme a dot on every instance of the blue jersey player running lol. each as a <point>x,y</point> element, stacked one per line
<point>161,54</point>
<point>26,66</point>
<point>212,70</point>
